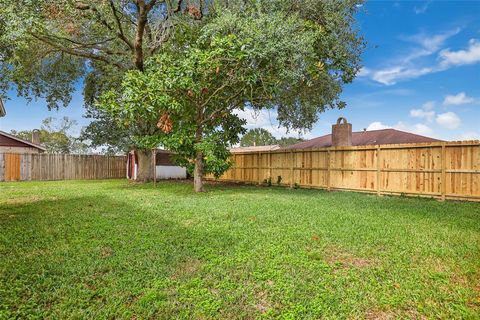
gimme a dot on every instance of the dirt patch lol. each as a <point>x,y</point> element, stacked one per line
<point>379,315</point>
<point>187,268</point>
<point>393,314</point>
<point>341,258</point>
<point>262,303</point>
<point>106,252</point>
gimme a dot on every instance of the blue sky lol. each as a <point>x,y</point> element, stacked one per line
<point>421,74</point>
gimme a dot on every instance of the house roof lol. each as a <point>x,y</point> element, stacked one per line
<point>29,143</point>
<point>365,138</point>
<point>255,149</point>
<point>2,109</point>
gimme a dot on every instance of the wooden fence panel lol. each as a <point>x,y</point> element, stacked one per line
<point>43,167</point>
<point>12,167</point>
<point>447,170</point>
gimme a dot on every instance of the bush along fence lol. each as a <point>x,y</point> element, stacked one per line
<point>25,167</point>
<point>445,170</point>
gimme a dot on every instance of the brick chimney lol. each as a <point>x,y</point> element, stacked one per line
<point>342,133</point>
<point>36,136</point>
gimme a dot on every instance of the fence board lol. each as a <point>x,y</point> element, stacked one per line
<point>447,170</point>
<point>42,167</point>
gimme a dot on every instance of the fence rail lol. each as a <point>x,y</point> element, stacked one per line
<point>449,170</point>
<point>40,167</point>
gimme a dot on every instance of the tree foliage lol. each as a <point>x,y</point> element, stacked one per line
<point>262,137</point>
<point>288,141</point>
<point>257,137</point>
<point>291,55</point>
<point>57,136</point>
<point>48,47</point>
<point>264,56</point>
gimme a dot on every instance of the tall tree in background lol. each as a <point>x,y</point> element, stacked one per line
<point>47,46</point>
<point>288,141</point>
<point>57,136</point>
<point>257,137</point>
<point>261,137</point>
<point>289,55</point>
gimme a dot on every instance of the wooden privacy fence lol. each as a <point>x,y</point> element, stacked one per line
<point>24,167</point>
<point>448,170</point>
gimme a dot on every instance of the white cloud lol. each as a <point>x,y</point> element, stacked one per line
<point>457,99</point>
<point>267,119</point>
<point>461,57</point>
<point>418,128</point>
<point>448,120</point>
<point>377,126</point>
<point>406,67</point>
<point>425,112</point>
<point>429,44</point>
<point>420,113</point>
<point>364,72</point>
<point>429,105</point>
<point>471,135</point>
<point>393,75</point>
<point>423,8</point>
<point>422,129</point>
<point>412,65</point>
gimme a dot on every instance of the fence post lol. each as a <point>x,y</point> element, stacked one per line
<point>443,175</point>
<point>292,173</point>
<point>379,172</point>
<point>258,167</point>
<point>270,164</point>
<point>328,170</point>
<point>154,165</point>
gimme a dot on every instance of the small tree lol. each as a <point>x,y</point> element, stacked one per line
<point>257,137</point>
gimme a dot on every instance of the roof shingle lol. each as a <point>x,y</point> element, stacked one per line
<point>365,138</point>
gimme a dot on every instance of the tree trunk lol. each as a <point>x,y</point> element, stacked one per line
<point>144,166</point>
<point>198,173</point>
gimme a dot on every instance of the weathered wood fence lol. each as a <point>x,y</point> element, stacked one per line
<point>445,170</point>
<point>24,167</point>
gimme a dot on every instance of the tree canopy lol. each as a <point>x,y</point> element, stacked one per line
<point>262,57</point>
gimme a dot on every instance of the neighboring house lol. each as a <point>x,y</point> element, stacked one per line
<point>2,109</point>
<point>12,144</point>
<point>255,149</point>
<point>165,167</point>
<point>342,136</point>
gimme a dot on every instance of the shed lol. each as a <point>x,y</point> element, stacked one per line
<point>165,167</point>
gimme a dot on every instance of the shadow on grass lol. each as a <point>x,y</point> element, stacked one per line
<point>60,257</point>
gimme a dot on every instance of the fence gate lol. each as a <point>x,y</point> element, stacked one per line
<point>12,167</point>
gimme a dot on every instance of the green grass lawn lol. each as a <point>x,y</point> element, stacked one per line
<point>111,249</point>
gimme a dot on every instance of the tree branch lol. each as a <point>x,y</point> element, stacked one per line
<point>120,34</point>
<point>74,52</point>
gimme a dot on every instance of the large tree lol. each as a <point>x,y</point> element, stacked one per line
<point>294,56</point>
<point>48,47</point>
